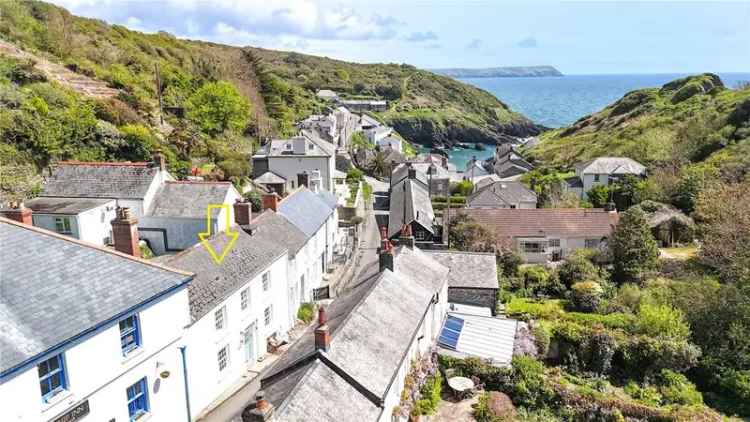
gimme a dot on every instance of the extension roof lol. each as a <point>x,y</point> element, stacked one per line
<point>188,199</point>
<point>55,289</point>
<point>64,206</point>
<point>468,269</point>
<point>611,165</point>
<point>410,202</point>
<point>503,193</point>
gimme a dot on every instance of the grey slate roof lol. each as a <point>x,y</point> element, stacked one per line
<point>401,172</point>
<point>468,269</point>
<point>188,199</point>
<point>286,233</point>
<point>100,180</point>
<point>502,193</point>
<point>269,177</point>
<point>54,288</point>
<point>250,256</point>
<point>371,328</point>
<point>611,165</point>
<point>305,209</point>
<point>410,201</point>
<point>64,206</point>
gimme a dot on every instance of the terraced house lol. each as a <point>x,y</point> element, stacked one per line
<point>84,333</point>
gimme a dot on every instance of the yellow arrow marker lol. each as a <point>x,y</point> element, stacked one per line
<point>205,236</point>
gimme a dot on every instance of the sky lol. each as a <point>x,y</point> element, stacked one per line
<point>577,37</point>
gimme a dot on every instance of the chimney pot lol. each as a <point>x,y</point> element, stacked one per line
<point>323,332</point>
<point>20,213</point>
<point>271,201</point>
<point>263,409</point>
<point>125,233</point>
<point>385,252</point>
<point>159,161</point>
<point>243,212</point>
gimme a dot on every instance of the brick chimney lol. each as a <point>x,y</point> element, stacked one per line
<point>159,161</point>
<point>263,411</point>
<point>412,172</point>
<point>243,212</point>
<point>125,233</point>
<point>322,332</point>
<point>20,213</point>
<point>271,201</point>
<point>406,238</point>
<point>385,252</point>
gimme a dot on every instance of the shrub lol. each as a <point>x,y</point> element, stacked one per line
<point>494,406</point>
<point>256,202</point>
<point>646,394</point>
<point>216,107</point>
<point>542,338</point>
<point>508,263</point>
<point>528,386</point>
<point>577,268</point>
<point>354,175</point>
<point>634,249</point>
<point>644,356</point>
<point>306,312</point>
<point>661,321</point>
<point>586,296</point>
<point>601,348</point>
<point>462,188</point>
<point>431,391</point>
<point>676,389</point>
<point>627,299</point>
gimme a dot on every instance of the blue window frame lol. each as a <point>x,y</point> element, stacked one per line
<point>138,399</point>
<point>52,376</point>
<point>130,334</point>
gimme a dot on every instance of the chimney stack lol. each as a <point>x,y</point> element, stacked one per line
<point>243,212</point>
<point>322,332</point>
<point>385,252</point>
<point>303,179</point>
<point>263,411</point>
<point>159,160</point>
<point>412,172</point>
<point>406,238</point>
<point>125,233</point>
<point>20,213</point>
<point>271,201</point>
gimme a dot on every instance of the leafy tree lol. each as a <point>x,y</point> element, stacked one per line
<point>508,262</point>
<point>256,201</point>
<point>216,107</point>
<point>354,175</point>
<point>599,195</point>
<point>139,143</point>
<point>694,180</point>
<point>359,141</point>
<point>586,296</point>
<point>723,215</point>
<point>466,234</point>
<point>379,165</point>
<point>633,247</point>
<point>462,188</point>
<point>577,268</point>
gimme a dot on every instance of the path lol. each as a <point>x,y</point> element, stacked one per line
<point>60,74</point>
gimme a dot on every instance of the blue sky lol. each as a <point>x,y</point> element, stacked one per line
<point>578,37</point>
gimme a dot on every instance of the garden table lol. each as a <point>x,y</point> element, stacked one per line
<point>461,385</point>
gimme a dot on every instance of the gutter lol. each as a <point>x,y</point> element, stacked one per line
<point>185,380</point>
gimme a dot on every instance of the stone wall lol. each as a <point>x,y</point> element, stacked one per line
<point>473,296</point>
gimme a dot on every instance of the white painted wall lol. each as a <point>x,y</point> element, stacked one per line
<point>91,226</point>
<point>567,246</point>
<point>430,328</point>
<point>203,341</point>
<point>97,371</point>
<point>589,182</point>
<point>289,166</point>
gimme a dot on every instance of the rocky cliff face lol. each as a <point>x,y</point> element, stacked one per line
<point>431,132</point>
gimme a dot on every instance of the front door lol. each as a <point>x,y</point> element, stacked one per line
<point>249,341</point>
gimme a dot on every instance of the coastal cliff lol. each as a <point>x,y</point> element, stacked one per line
<point>500,72</point>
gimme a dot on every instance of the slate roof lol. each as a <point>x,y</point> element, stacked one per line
<point>371,328</point>
<point>328,148</point>
<point>410,201</point>
<point>401,172</point>
<point>504,193</point>
<point>367,120</point>
<point>307,210</point>
<point>250,256</point>
<point>611,165</point>
<point>54,288</point>
<point>468,269</point>
<point>538,222</point>
<point>65,206</point>
<point>269,177</point>
<point>286,233</point>
<point>100,180</point>
<point>285,147</point>
<point>188,199</point>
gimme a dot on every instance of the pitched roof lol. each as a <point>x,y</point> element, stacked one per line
<point>250,255</point>
<point>188,199</point>
<point>401,172</point>
<point>285,147</point>
<point>307,210</point>
<point>611,165</point>
<point>100,180</point>
<point>269,178</point>
<point>563,222</point>
<point>480,336</point>
<point>410,201</point>
<point>286,233</point>
<point>504,192</point>
<point>54,289</point>
<point>328,148</point>
<point>64,206</point>
<point>371,329</point>
<point>468,269</point>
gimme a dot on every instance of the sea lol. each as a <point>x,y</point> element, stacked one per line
<point>560,101</point>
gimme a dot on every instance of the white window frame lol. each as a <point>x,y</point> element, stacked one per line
<point>268,315</point>
<point>588,243</point>
<point>244,298</point>
<point>554,243</point>
<point>525,243</point>
<point>266,278</point>
<point>63,226</point>
<point>220,318</point>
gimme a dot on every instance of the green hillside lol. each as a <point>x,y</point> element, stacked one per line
<point>46,50</point>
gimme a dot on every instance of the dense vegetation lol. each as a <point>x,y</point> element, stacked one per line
<point>219,99</point>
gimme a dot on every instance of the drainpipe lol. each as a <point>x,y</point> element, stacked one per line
<point>187,390</point>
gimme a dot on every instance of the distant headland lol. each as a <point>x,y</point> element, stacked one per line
<point>500,72</point>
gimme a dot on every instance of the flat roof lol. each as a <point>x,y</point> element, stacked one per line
<point>65,206</point>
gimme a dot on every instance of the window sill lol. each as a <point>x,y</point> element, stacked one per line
<point>132,355</point>
<point>143,418</point>
<point>58,398</point>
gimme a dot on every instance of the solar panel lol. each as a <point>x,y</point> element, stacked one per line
<point>451,332</point>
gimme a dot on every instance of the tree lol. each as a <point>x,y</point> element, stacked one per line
<point>462,188</point>
<point>359,141</point>
<point>723,216</point>
<point>599,195</point>
<point>466,234</point>
<point>216,107</point>
<point>634,249</point>
<point>379,165</point>
<point>577,268</point>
